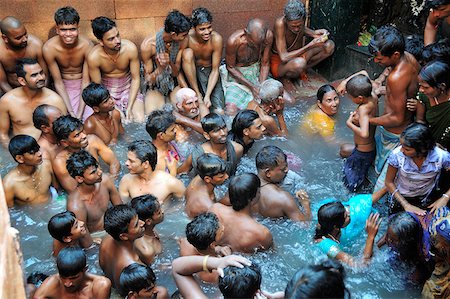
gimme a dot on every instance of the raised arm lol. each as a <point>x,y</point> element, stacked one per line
<point>430,32</point>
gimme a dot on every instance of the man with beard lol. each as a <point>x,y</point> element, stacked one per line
<point>201,60</point>
<point>16,43</point>
<point>114,63</point>
<point>70,134</point>
<point>66,56</point>
<point>17,106</point>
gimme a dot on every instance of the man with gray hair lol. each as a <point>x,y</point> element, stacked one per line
<point>271,103</point>
<point>290,58</point>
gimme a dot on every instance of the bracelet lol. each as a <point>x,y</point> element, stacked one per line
<point>205,260</point>
<point>446,195</point>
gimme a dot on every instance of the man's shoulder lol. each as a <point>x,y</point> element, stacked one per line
<point>34,41</point>
<point>50,94</point>
<point>10,177</point>
<point>51,44</point>
<point>128,44</point>
<point>279,22</point>
<point>94,54</point>
<point>11,95</point>
<point>99,281</point>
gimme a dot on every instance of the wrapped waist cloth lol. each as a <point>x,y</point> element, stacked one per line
<point>73,89</point>
<point>119,89</point>
<point>239,94</point>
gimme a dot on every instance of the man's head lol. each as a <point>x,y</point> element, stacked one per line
<point>177,25</point>
<point>359,88</point>
<point>271,93</point>
<point>387,45</point>
<point>271,164</point>
<point>67,20</point>
<point>255,32</point>
<point>141,155</point>
<point>243,189</point>
<point>105,30</point>
<point>148,209</point>
<point>247,123</point>
<point>69,132</point>
<point>43,117</point>
<point>295,15</point>
<point>439,8</point>
<point>240,282</point>
<point>14,34</point>
<point>187,102</point>
<point>83,167</point>
<point>201,21</point>
<point>71,264</point>
<point>215,128</point>
<point>123,224</point>
<point>161,125</point>
<point>25,150</point>
<point>204,231</point>
<point>137,281</point>
<point>30,74</point>
<point>65,227</point>
<point>97,97</point>
<point>212,169</point>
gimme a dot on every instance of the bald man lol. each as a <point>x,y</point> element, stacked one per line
<point>16,43</point>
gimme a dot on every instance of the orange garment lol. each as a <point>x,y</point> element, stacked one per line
<point>275,62</point>
<point>317,122</point>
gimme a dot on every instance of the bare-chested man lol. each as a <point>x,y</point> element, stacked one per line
<point>247,58</point>
<point>31,94</point>
<point>242,232</point>
<point>290,58</point>
<point>90,200</point>
<point>66,57</point>
<point>212,171</point>
<point>16,43</point>
<point>29,182</point>
<point>201,60</point>
<point>162,55</point>
<point>70,134</point>
<point>388,48</point>
<point>114,63</point>
<point>73,280</point>
<point>43,117</point>
<point>275,202</point>
<point>144,178</point>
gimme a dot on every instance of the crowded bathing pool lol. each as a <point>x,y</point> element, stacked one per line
<point>319,173</point>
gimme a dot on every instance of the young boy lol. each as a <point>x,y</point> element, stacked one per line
<point>359,89</point>
<point>149,210</point>
<point>105,122</point>
<point>139,281</point>
<point>67,231</point>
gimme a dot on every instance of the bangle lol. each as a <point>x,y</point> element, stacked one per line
<point>446,195</point>
<point>205,260</point>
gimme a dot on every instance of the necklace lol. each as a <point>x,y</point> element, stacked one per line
<point>333,238</point>
<point>114,59</point>
<point>36,183</point>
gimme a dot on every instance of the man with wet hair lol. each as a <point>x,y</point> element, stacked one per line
<point>66,56</point>
<point>16,43</point>
<point>31,93</point>
<point>242,232</point>
<point>274,202</point>
<point>139,281</point>
<point>29,182</point>
<point>212,171</point>
<point>290,57</point>
<point>67,231</point>
<point>271,103</point>
<point>247,58</point>
<point>69,132</point>
<point>72,279</point>
<point>43,117</point>
<point>144,178</point>
<point>149,210</point>
<point>201,60</point>
<point>94,192</point>
<point>246,128</point>
<point>114,63</point>
<point>162,55</point>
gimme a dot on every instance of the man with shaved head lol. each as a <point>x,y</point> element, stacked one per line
<point>247,58</point>
<point>16,43</point>
<point>43,117</point>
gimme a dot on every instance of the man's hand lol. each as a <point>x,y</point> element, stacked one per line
<point>302,196</point>
<point>320,32</point>
<point>232,260</point>
<point>162,59</point>
<point>207,101</point>
<point>222,250</point>
<point>411,104</point>
<point>279,106</point>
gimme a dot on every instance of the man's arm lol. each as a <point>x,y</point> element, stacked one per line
<point>4,84</point>
<point>77,208</point>
<point>217,44</point>
<point>48,288</point>
<point>124,190</point>
<point>107,156</point>
<point>9,192</point>
<point>291,209</point>
<point>114,195</point>
<point>4,122</point>
<point>188,122</point>
<point>363,129</point>
<point>177,187</point>
<point>94,67</point>
<point>40,58</point>
<point>147,53</point>
<point>429,34</point>
<point>84,81</point>
<point>67,182</point>
<point>101,289</point>
<point>265,59</point>
<point>135,77</point>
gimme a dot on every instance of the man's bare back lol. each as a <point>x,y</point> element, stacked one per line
<point>198,198</point>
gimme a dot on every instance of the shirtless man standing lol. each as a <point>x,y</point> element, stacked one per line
<point>29,182</point>
<point>94,192</point>
<point>71,136</point>
<point>43,117</point>
<point>290,59</point>
<point>275,202</point>
<point>144,178</point>
<point>242,232</point>
<point>31,94</point>
<point>114,63</point>
<point>247,58</point>
<point>16,43</point>
<point>66,57</point>
<point>201,60</point>
<point>388,48</point>
<point>161,55</point>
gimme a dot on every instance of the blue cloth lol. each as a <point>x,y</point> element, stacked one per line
<point>329,247</point>
<point>356,167</point>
